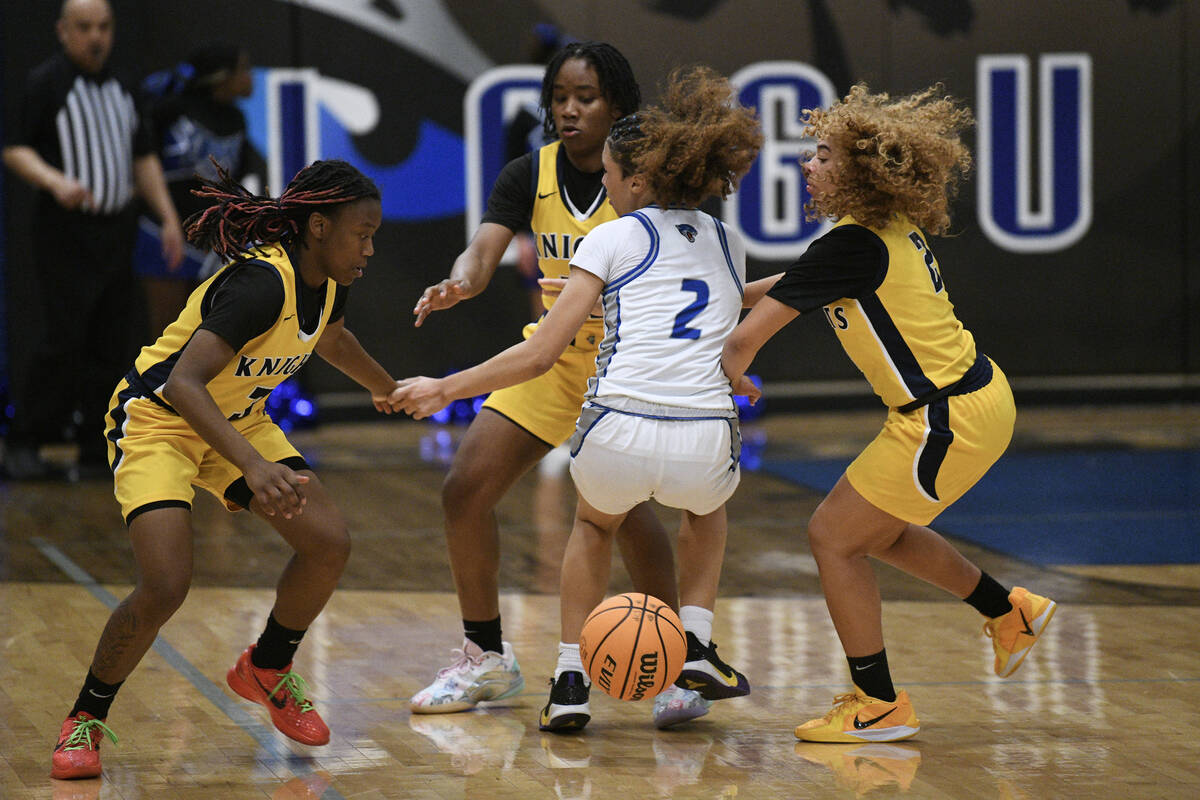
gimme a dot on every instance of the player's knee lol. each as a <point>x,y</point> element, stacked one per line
<point>331,546</point>
<point>334,547</point>
<point>823,538</point>
<point>462,497</point>
<point>160,596</point>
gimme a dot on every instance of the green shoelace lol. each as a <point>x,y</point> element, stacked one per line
<point>81,737</point>
<point>297,687</point>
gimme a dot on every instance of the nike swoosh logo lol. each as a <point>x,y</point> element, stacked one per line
<point>547,194</point>
<point>92,692</point>
<point>1025,622</point>
<point>278,702</point>
<point>730,679</point>
<point>860,724</point>
<point>868,666</point>
<point>293,641</point>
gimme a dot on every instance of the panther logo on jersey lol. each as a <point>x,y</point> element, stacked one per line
<point>687,231</point>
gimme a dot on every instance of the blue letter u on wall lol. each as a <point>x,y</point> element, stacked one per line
<point>1011,212</point>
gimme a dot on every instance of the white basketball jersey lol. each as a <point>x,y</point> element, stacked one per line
<point>673,284</point>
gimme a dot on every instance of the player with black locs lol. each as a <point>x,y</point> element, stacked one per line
<point>557,192</point>
<point>659,418</point>
<point>191,412</point>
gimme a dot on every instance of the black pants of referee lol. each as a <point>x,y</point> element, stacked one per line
<point>84,276</point>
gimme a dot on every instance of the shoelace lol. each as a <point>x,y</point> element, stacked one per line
<point>839,702</point>
<point>461,659</point>
<point>81,737</point>
<point>297,687</point>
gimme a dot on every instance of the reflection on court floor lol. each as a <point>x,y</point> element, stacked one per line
<point>1106,705</point>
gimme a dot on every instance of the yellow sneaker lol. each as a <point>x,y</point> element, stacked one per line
<point>858,718</point>
<point>1016,632</point>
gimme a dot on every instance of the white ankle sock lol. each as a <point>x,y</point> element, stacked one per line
<point>697,621</point>
<point>568,660</point>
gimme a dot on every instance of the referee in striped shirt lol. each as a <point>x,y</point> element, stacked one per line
<point>83,146</point>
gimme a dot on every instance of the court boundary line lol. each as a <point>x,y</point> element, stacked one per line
<point>265,737</point>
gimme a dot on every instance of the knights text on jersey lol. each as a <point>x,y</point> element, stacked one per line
<point>262,364</point>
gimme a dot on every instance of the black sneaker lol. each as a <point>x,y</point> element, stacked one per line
<point>708,675</point>
<point>567,709</point>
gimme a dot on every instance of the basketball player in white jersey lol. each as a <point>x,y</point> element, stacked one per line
<point>658,419</point>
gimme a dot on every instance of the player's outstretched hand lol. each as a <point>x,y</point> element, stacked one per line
<point>383,402</point>
<point>552,287</point>
<point>749,388</point>
<point>419,397</point>
<point>278,489</point>
<point>440,296</point>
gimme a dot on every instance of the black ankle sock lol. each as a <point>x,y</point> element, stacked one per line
<point>95,697</point>
<point>486,634</point>
<point>870,673</point>
<point>276,646</point>
<point>989,597</point>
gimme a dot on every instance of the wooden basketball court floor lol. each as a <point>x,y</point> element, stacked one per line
<point>1107,706</point>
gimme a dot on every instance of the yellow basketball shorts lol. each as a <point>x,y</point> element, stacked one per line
<point>159,458</point>
<point>548,405</point>
<point>924,460</point>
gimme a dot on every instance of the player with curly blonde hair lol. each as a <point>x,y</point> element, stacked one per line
<point>885,170</point>
<point>903,156</point>
<point>658,419</point>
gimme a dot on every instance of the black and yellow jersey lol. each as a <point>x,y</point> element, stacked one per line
<point>278,344</point>
<point>545,192</point>
<point>883,294</point>
<point>558,224</point>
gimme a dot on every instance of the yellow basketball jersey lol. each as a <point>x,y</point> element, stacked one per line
<point>548,405</point>
<point>557,227</point>
<point>904,337</point>
<point>265,361</point>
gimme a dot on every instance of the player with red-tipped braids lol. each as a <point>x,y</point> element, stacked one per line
<point>191,412</point>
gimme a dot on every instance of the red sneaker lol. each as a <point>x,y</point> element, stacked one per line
<point>77,754</point>
<point>284,693</point>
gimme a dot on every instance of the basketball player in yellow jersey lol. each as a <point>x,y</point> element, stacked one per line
<point>191,412</point>
<point>886,169</point>
<point>557,192</point>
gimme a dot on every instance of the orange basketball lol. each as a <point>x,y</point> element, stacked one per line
<point>633,646</point>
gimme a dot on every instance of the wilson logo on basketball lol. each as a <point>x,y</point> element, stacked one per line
<point>648,671</point>
<point>632,646</point>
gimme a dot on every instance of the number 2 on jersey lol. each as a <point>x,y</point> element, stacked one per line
<point>930,262</point>
<point>700,289</point>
